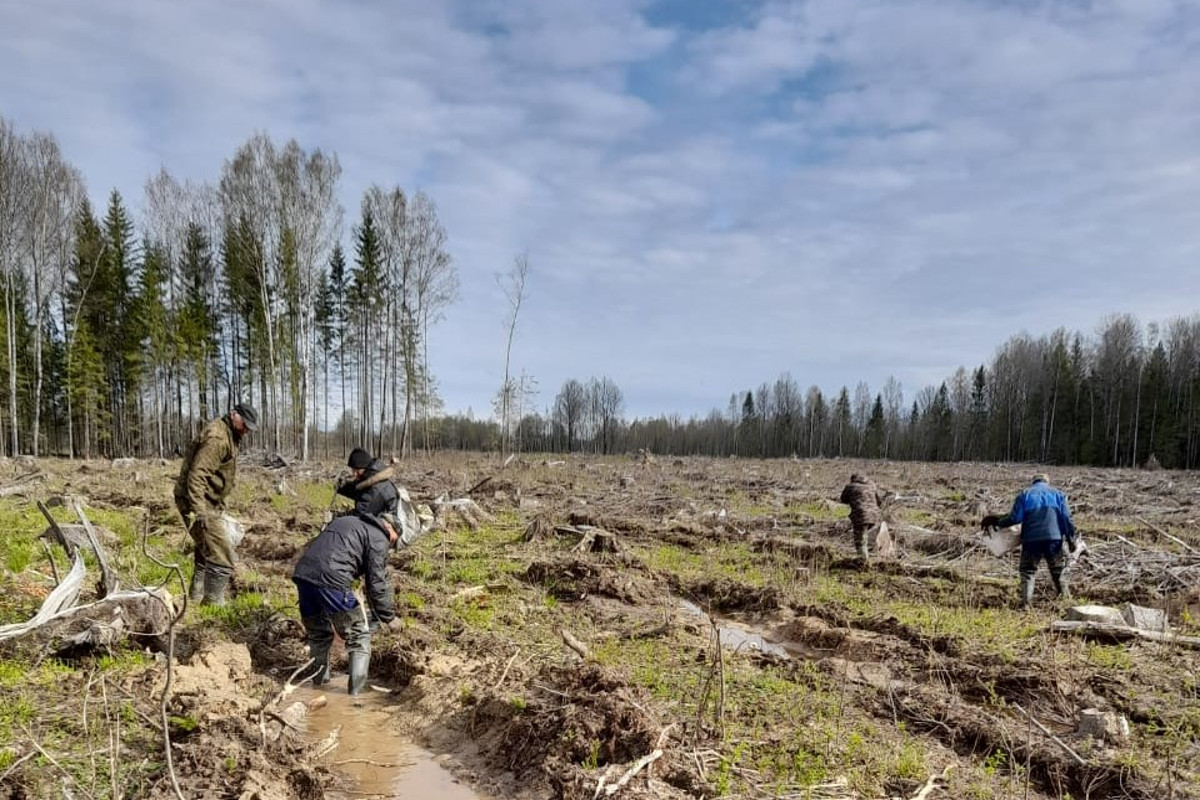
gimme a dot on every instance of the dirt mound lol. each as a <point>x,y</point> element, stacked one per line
<point>218,743</point>
<point>726,595</point>
<point>574,578</point>
<point>269,548</point>
<point>397,659</point>
<point>590,718</point>
<point>968,729</point>
<point>618,524</point>
<point>228,759</point>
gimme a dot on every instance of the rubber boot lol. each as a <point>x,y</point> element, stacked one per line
<point>1026,592</point>
<point>1060,584</point>
<point>861,546</point>
<point>196,590</point>
<point>359,662</point>
<point>319,653</point>
<point>216,582</point>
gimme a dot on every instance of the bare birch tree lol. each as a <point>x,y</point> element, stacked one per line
<point>13,185</point>
<point>512,283</point>
<point>54,189</point>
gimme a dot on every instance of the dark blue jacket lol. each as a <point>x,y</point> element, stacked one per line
<point>374,493</point>
<point>1042,512</point>
<point>351,547</point>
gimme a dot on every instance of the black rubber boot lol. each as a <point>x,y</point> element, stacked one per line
<point>216,583</point>
<point>1026,592</point>
<point>1060,584</point>
<point>196,590</point>
<point>359,663</point>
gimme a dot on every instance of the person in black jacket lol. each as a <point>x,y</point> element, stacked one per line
<point>348,548</point>
<point>370,485</point>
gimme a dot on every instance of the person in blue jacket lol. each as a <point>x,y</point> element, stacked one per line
<point>348,548</point>
<point>1045,520</point>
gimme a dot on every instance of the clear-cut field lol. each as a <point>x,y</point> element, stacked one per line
<point>917,674</point>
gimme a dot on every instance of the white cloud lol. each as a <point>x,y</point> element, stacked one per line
<point>837,189</point>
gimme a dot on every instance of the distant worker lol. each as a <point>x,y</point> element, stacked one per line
<point>205,482</point>
<point>1045,520</point>
<point>348,548</point>
<point>369,484</point>
<point>864,500</point>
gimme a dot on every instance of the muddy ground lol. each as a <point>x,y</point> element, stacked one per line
<point>914,677</point>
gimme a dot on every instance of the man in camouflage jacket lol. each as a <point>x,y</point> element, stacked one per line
<point>864,500</point>
<point>205,482</point>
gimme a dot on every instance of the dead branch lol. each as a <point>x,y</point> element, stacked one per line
<point>174,619</point>
<point>1106,630</point>
<point>637,767</point>
<point>934,783</point>
<point>1066,747</point>
<point>507,666</point>
<point>1166,535</point>
<point>50,758</point>
<point>575,644</point>
<point>108,578</point>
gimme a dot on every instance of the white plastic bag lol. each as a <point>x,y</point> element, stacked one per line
<point>1002,540</point>
<point>234,530</point>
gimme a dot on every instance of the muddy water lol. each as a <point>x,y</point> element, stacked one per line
<point>377,760</point>
<point>736,634</point>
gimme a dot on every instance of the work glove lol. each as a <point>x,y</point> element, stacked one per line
<point>1072,544</point>
<point>396,625</point>
<point>990,522</point>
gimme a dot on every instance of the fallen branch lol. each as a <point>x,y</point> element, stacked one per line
<point>1122,633</point>
<point>50,758</point>
<point>372,763</point>
<point>1166,535</point>
<point>108,578</point>
<point>575,644</point>
<point>166,693</point>
<point>637,767</point>
<point>1066,747</point>
<point>934,783</point>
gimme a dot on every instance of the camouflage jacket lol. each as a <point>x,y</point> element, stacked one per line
<point>864,500</point>
<point>209,469</point>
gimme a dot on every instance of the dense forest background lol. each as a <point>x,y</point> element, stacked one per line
<point>122,336</point>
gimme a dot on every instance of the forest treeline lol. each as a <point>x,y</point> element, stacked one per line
<point>120,336</point>
<point>1113,398</point>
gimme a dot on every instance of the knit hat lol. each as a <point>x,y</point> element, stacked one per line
<point>1041,477</point>
<point>359,459</point>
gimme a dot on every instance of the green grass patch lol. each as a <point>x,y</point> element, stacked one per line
<point>822,510</point>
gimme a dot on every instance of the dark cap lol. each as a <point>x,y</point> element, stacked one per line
<point>359,459</point>
<point>248,415</point>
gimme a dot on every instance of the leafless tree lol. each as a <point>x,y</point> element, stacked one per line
<point>436,283</point>
<point>54,189</point>
<point>569,408</point>
<point>512,283</point>
<point>311,214</point>
<point>14,179</point>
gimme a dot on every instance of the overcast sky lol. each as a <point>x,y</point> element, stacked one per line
<point>711,192</point>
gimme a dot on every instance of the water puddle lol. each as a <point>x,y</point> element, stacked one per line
<point>737,635</point>
<point>377,760</point>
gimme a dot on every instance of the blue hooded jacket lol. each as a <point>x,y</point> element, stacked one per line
<point>1042,512</point>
